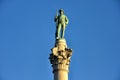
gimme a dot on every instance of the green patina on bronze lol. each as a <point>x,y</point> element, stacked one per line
<point>61,23</point>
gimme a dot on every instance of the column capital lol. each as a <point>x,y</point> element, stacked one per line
<point>60,56</point>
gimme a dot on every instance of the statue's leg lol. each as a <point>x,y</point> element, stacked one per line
<point>58,31</point>
<point>63,30</point>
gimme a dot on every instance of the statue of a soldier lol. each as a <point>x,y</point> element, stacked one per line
<point>61,22</point>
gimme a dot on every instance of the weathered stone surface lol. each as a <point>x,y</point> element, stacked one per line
<point>60,59</point>
<point>60,53</point>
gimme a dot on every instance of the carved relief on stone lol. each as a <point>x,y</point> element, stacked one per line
<point>60,57</point>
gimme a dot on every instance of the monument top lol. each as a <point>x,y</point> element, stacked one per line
<point>60,56</point>
<point>61,23</point>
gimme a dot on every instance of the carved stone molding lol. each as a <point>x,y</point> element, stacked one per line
<point>60,56</point>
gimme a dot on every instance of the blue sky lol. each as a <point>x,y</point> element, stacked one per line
<point>27,31</point>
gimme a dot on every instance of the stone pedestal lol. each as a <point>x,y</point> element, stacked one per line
<point>60,59</point>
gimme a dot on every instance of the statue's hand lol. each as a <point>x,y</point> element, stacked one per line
<point>66,23</point>
<point>56,18</point>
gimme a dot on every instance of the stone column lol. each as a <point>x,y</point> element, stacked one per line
<point>60,59</point>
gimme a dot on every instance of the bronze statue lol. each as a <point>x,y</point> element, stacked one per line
<point>61,22</point>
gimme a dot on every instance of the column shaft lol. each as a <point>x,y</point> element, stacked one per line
<point>60,75</point>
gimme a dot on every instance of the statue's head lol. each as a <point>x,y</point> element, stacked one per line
<point>61,11</point>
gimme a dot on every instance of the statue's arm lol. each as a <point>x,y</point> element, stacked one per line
<point>55,19</point>
<point>66,19</point>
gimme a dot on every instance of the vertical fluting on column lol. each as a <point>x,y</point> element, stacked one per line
<point>60,59</point>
